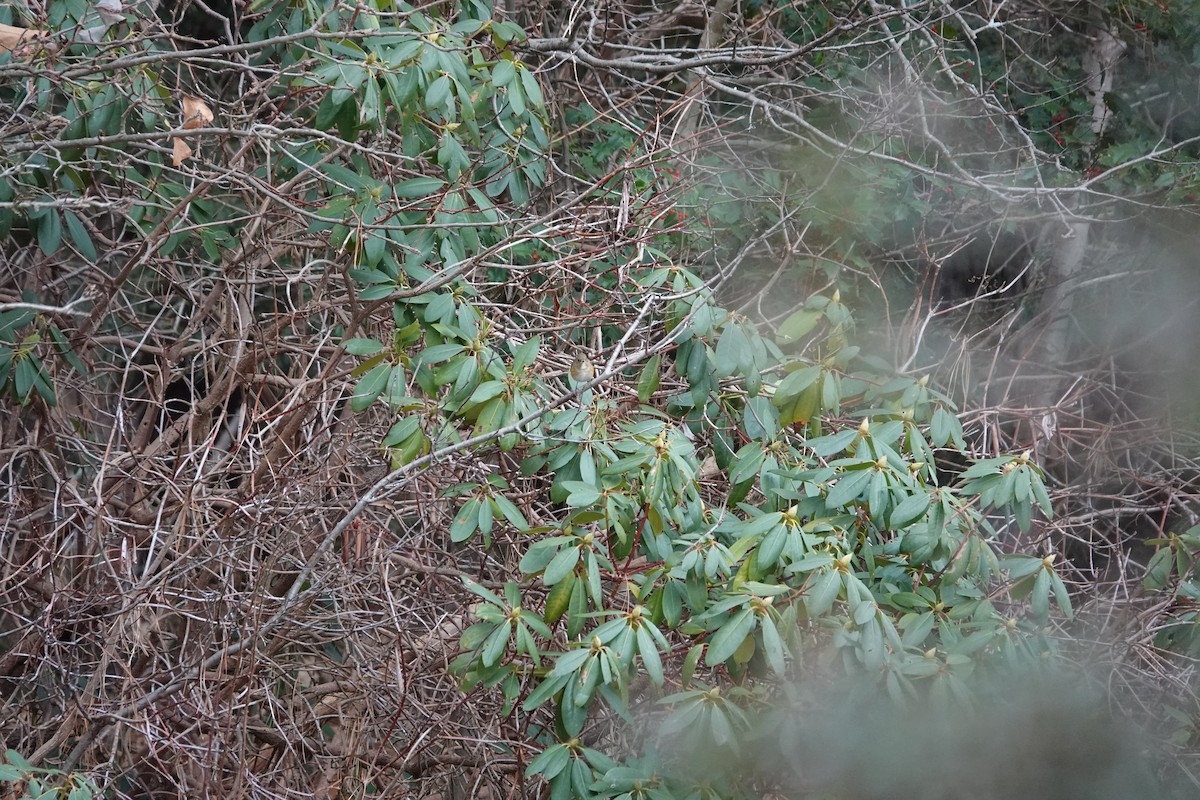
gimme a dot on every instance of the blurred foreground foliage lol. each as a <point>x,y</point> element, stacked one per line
<point>297,472</point>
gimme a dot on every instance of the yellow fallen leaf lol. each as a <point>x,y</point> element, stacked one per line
<point>196,114</point>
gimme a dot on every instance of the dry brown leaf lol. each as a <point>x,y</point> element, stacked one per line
<point>180,152</point>
<point>11,37</point>
<point>196,114</point>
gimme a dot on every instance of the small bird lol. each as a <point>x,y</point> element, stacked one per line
<point>582,369</point>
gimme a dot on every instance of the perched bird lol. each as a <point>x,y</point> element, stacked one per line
<point>582,369</point>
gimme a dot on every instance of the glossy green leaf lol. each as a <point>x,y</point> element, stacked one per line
<point>909,510</point>
<point>826,585</point>
<point>799,324</point>
<point>848,487</point>
<point>550,762</point>
<point>648,650</point>
<point>80,236</point>
<point>419,187</point>
<point>438,93</point>
<point>729,637</point>
<point>370,386</point>
<point>773,646</point>
<point>494,646</point>
<point>466,521</point>
<point>561,565</point>
<point>650,379</point>
<point>49,232</point>
<point>503,73</point>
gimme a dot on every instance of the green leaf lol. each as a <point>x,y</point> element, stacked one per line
<point>1158,571</point>
<point>690,662</point>
<point>918,630</point>
<point>439,353</point>
<point>864,612</point>
<point>825,446</point>
<point>810,563</point>
<point>481,591</point>
<point>729,637</point>
<point>541,553</point>
<point>871,645</point>
<point>525,354</point>
<point>80,236</point>
<point>648,649</point>
<point>797,325</point>
<point>572,715</point>
<point>909,510</point>
<point>511,513</point>
<point>452,157</point>
<point>825,590</point>
<point>419,187</point>
<point>486,520</point>
<point>370,386</point>
<point>582,778</point>
<point>503,72</point>
<point>437,94</point>
<point>771,547</point>
<point>945,427</point>
<point>848,487</point>
<point>581,494</point>
<point>559,598</point>
<point>37,790</point>
<point>1061,596</point>
<point>749,461</point>
<point>23,377</point>
<point>1039,493</point>
<point>495,646</point>
<point>650,379</point>
<point>733,351</point>
<point>550,762</point>
<point>492,417</point>
<point>772,645</point>
<point>486,391</point>
<point>1039,598</point>
<point>49,232</point>
<point>466,521</point>
<point>985,467</point>
<point>795,383</point>
<point>41,382</point>
<point>401,430</point>
<point>759,525</point>
<point>561,565</point>
<point>525,642</point>
<point>530,86</point>
<point>395,393</point>
<point>760,419</point>
<point>516,98</point>
<point>64,347</point>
